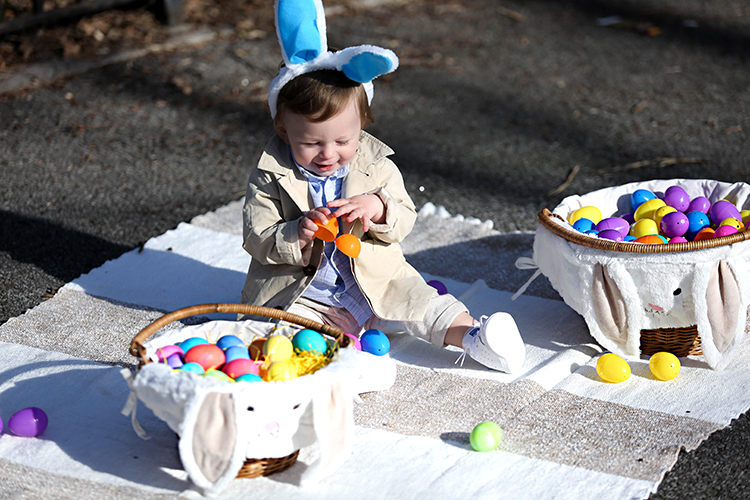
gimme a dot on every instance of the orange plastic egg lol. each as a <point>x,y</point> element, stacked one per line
<point>651,239</point>
<point>327,231</point>
<point>704,234</point>
<point>349,244</point>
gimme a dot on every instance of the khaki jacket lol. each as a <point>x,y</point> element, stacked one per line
<point>278,196</point>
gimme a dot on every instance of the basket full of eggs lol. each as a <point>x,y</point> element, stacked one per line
<point>245,396</point>
<point>654,266</point>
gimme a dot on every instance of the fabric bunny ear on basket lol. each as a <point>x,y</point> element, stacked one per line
<point>301,29</point>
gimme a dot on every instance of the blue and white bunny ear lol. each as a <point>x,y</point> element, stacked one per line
<point>301,28</point>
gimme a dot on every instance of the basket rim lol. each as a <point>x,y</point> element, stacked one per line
<point>546,219</point>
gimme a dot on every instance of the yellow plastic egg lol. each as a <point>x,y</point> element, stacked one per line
<point>278,348</point>
<point>661,212</point>
<point>280,371</point>
<point>644,227</point>
<point>648,209</point>
<point>591,213</point>
<point>731,221</point>
<point>745,214</point>
<point>612,368</point>
<point>664,365</point>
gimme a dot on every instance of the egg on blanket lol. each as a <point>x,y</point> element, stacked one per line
<point>612,368</point>
<point>375,342</point>
<point>486,436</point>
<point>664,365</point>
<point>29,422</point>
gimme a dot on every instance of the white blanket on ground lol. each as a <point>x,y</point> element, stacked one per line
<point>563,427</point>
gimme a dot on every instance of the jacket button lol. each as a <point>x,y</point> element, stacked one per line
<point>309,270</point>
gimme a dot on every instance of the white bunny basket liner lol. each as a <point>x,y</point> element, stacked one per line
<point>225,427</point>
<point>625,291</point>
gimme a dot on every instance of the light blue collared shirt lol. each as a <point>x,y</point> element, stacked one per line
<point>334,283</point>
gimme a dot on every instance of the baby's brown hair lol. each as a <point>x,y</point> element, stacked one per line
<point>320,95</point>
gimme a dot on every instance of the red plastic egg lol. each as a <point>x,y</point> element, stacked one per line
<point>209,356</point>
<point>241,366</point>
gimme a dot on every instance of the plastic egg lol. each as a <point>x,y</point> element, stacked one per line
<point>697,220</point>
<point>583,225</point>
<point>725,231</point>
<point>188,344</point>
<point>236,352</point>
<point>191,367</point>
<point>486,436</point>
<point>745,214</point>
<point>209,356</point>
<point>354,340</point>
<point>256,349</point>
<point>661,212</point>
<point>281,370</point>
<point>1,425</point>
<point>721,210</point>
<point>349,245</point>
<point>639,197</point>
<point>674,224</point>
<point>439,286</point>
<point>164,352</point>
<point>240,367</point>
<point>629,238</point>
<point>375,342</point>
<point>677,197</point>
<point>310,341</point>
<point>704,234</point>
<point>678,239</point>
<point>700,204</point>
<point>29,422</point>
<point>327,231</point>
<point>731,221</point>
<point>628,218</point>
<point>611,234</point>
<point>617,223</point>
<point>651,239</point>
<point>175,360</point>
<point>664,365</point>
<point>612,368</point>
<point>648,209</point>
<point>591,213</point>
<point>228,341</point>
<point>248,378</point>
<point>218,375</point>
<point>278,348</point>
<point>644,227</point>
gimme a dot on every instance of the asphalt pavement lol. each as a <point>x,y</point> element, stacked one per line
<point>498,110</point>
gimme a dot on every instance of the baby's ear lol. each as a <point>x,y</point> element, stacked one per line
<point>281,131</point>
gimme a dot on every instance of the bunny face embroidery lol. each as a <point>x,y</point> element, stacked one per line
<point>301,29</point>
<point>270,420</point>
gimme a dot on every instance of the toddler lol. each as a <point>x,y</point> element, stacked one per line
<point>321,164</point>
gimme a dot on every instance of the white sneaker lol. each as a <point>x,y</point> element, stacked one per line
<point>495,343</point>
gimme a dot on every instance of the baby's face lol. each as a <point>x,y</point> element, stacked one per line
<point>322,148</point>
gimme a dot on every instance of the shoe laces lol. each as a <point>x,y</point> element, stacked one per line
<point>473,331</point>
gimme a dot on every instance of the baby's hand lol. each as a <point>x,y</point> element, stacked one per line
<point>308,227</point>
<point>365,207</point>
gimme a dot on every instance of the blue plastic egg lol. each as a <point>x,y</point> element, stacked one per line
<point>188,344</point>
<point>583,225</point>
<point>375,342</point>
<point>228,341</point>
<point>248,377</point>
<point>697,220</point>
<point>639,197</point>
<point>309,340</point>
<point>237,352</point>
<point>193,368</point>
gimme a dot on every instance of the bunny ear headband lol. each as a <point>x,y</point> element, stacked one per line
<point>301,28</point>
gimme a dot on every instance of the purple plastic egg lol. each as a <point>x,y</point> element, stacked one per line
<point>721,210</point>
<point>700,204</point>
<point>617,223</point>
<point>677,198</point>
<point>29,422</point>
<point>725,231</point>
<point>611,234</point>
<point>629,217</point>
<point>674,224</point>
<point>678,239</point>
<point>165,352</point>
<point>439,286</point>
<point>1,425</point>
<point>175,360</point>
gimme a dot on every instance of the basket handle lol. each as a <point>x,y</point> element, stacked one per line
<point>136,345</point>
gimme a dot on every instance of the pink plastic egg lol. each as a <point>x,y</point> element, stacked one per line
<point>677,198</point>
<point>611,234</point>
<point>617,223</point>
<point>355,340</point>
<point>674,224</point>
<point>29,422</point>
<point>700,203</point>
<point>678,239</point>
<point>209,356</point>
<point>725,231</point>
<point>241,366</point>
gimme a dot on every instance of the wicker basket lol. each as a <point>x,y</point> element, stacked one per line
<point>252,467</point>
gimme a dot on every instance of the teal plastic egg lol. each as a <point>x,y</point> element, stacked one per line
<point>188,344</point>
<point>310,341</point>
<point>193,368</point>
<point>248,377</point>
